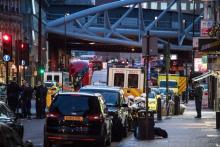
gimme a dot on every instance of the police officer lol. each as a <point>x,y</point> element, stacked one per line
<point>13,91</point>
<point>26,100</point>
<point>41,93</point>
<point>198,91</point>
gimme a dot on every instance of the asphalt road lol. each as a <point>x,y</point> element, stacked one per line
<point>33,130</point>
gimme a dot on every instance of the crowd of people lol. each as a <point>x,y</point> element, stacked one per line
<point>19,98</point>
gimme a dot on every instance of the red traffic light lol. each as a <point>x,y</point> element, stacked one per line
<point>6,37</point>
<point>22,45</point>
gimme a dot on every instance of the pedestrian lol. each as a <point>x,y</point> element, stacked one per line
<point>13,91</point>
<point>198,91</point>
<point>41,93</point>
<point>26,100</point>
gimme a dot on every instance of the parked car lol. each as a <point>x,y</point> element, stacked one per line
<point>8,117</point>
<point>10,138</point>
<point>117,108</point>
<point>140,102</point>
<point>3,92</point>
<point>77,117</point>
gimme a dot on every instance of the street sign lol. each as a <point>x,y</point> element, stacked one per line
<point>153,46</point>
<point>6,58</point>
<point>211,44</point>
<point>205,27</point>
<point>22,62</point>
<point>195,42</point>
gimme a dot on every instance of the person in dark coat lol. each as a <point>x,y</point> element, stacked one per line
<point>13,91</point>
<point>198,91</point>
<point>40,93</point>
<point>26,100</point>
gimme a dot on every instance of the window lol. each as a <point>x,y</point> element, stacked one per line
<point>191,6</point>
<point>183,6</point>
<point>201,5</point>
<point>163,5</point>
<point>119,79</point>
<point>153,5</point>
<point>111,97</point>
<point>171,84</point>
<point>144,5</point>
<point>49,78</point>
<point>56,78</point>
<point>174,7</point>
<point>132,81</point>
<point>81,105</point>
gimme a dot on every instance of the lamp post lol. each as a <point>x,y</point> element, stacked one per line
<point>193,29</point>
<point>39,38</point>
<point>65,46</point>
<point>65,38</point>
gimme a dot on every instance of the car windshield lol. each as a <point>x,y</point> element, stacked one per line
<point>75,104</point>
<point>157,91</point>
<point>171,84</point>
<point>164,91</point>
<point>111,97</point>
<point>49,85</point>
<point>151,95</point>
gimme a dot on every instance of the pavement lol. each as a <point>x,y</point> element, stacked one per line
<point>183,131</point>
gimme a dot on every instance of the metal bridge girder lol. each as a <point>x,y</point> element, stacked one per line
<point>84,25</point>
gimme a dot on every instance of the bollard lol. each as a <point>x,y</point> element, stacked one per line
<point>145,126</point>
<point>176,105</point>
<point>159,109</point>
<point>217,120</point>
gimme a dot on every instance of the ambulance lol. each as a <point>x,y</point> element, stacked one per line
<point>130,79</point>
<point>176,82</point>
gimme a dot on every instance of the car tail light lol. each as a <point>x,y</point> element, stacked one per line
<point>53,115</point>
<point>206,93</point>
<point>95,118</point>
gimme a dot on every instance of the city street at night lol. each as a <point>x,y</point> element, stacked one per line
<point>117,73</point>
<point>185,131</point>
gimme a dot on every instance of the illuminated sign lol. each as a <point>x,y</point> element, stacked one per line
<point>200,64</point>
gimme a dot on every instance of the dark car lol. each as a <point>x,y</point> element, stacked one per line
<point>7,117</point>
<point>76,117</point>
<point>10,138</point>
<point>117,107</point>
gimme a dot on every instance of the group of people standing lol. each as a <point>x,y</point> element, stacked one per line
<point>19,97</point>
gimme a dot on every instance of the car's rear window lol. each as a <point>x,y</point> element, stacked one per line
<point>111,97</point>
<point>76,105</point>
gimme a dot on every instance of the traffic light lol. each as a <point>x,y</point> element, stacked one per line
<point>22,52</point>
<point>41,70</point>
<point>7,45</point>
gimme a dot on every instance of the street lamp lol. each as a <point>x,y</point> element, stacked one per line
<point>65,46</point>
<point>193,29</point>
<point>66,14</point>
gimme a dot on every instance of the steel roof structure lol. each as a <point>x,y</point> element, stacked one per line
<point>80,25</point>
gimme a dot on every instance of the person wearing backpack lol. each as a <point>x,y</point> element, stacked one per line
<point>198,91</point>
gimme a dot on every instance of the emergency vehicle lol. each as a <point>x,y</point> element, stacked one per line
<point>55,81</point>
<point>176,82</point>
<point>131,79</point>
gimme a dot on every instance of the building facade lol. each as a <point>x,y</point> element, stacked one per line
<point>11,22</point>
<point>30,9</point>
<point>186,5</point>
<point>72,2</point>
